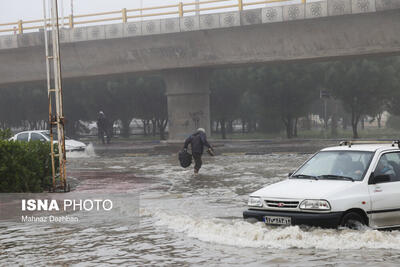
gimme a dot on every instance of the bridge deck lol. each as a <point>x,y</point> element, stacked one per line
<point>273,14</point>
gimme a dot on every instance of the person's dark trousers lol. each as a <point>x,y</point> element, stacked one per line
<point>101,135</point>
<point>108,136</point>
<point>197,161</point>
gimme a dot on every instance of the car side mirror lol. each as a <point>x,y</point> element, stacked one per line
<point>379,179</point>
<point>290,174</point>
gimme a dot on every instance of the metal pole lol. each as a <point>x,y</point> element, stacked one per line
<point>325,115</point>
<point>53,170</point>
<point>71,16</point>
<point>197,7</point>
<point>58,91</point>
<point>325,120</point>
<point>49,10</point>
<point>62,13</point>
<point>141,10</point>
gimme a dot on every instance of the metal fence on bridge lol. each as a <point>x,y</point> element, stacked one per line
<point>124,15</point>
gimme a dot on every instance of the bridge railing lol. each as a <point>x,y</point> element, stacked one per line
<point>124,15</point>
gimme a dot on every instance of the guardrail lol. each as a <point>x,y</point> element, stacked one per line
<point>124,15</point>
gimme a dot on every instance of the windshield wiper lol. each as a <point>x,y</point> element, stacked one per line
<point>305,176</point>
<point>332,176</point>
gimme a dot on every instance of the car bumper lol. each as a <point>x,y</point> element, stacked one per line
<point>78,149</point>
<point>325,220</point>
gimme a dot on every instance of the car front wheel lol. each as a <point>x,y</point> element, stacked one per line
<point>352,220</point>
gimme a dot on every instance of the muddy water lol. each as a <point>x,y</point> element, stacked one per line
<point>189,220</point>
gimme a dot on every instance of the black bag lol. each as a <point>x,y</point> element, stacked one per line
<point>211,151</point>
<point>185,159</point>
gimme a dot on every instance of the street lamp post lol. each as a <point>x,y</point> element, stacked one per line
<point>324,95</point>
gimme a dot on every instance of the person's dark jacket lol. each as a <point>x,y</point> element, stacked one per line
<point>102,122</point>
<point>197,140</point>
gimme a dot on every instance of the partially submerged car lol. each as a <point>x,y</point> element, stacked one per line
<point>348,185</point>
<point>44,136</point>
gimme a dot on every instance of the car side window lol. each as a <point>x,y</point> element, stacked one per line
<point>389,164</point>
<point>23,137</point>
<point>37,137</point>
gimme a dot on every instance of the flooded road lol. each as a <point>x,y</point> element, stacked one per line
<point>188,220</point>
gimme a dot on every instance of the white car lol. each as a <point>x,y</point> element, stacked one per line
<point>44,136</point>
<point>348,185</point>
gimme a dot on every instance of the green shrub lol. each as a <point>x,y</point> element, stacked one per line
<point>24,166</point>
<point>5,134</point>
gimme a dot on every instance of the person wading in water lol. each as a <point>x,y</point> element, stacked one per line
<point>197,142</point>
<point>102,126</point>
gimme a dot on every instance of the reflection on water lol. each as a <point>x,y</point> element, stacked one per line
<point>187,219</point>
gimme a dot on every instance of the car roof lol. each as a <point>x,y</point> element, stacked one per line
<point>33,131</point>
<point>363,147</point>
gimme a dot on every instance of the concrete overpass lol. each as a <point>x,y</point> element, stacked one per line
<point>184,50</point>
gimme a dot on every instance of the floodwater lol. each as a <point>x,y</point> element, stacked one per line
<point>188,220</point>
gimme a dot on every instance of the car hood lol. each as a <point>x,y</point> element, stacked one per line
<point>74,143</point>
<point>304,189</point>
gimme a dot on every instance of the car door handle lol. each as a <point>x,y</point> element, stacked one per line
<point>378,189</point>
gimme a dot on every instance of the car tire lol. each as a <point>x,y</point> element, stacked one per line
<point>352,220</point>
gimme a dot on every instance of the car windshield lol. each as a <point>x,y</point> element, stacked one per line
<point>336,165</point>
<point>55,136</point>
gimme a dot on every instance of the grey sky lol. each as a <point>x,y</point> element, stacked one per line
<point>13,10</point>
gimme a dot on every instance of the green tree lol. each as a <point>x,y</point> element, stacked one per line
<point>362,87</point>
<point>392,79</point>
<point>287,92</point>
<point>226,91</point>
<point>150,102</point>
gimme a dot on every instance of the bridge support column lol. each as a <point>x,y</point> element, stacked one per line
<point>188,101</point>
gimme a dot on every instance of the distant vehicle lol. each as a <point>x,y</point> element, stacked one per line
<point>44,136</point>
<point>348,185</point>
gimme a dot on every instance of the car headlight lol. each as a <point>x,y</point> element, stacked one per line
<point>315,204</point>
<point>254,202</point>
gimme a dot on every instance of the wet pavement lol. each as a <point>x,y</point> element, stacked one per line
<point>186,219</point>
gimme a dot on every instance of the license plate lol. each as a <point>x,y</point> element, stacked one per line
<point>275,220</point>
